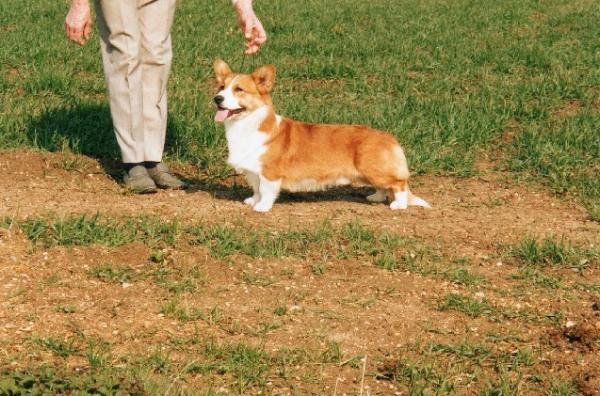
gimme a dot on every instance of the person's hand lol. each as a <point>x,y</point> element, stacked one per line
<point>78,24</point>
<point>253,31</point>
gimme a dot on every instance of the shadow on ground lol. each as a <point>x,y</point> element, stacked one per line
<point>235,189</point>
<point>83,128</point>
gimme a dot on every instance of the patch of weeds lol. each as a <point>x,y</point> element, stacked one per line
<point>475,353</point>
<point>6,222</point>
<point>52,381</point>
<point>553,252</point>
<point>173,309</point>
<point>84,230</point>
<point>247,365</point>
<point>224,241</point>
<point>318,268</point>
<point>221,240</point>
<point>97,354</point>
<point>62,348</point>
<point>420,378</point>
<point>50,280</point>
<point>178,279</point>
<point>265,328</point>
<point>503,386</point>
<point>280,310</point>
<point>159,361</point>
<point>333,353</point>
<point>77,231</point>
<point>111,274</point>
<point>588,287</point>
<point>467,305</point>
<point>159,256</point>
<point>560,387</point>
<point>256,280</point>
<point>157,232</point>
<point>387,261</point>
<point>360,300</point>
<point>537,278</point>
<point>514,360</point>
<point>66,309</point>
<point>502,337</point>
<point>462,276</point>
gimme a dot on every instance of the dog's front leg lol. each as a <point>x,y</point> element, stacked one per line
<point>269,191</point>
<point>254,182</point>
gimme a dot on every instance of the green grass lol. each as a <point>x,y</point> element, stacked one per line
<point>420,377</point>
<point>535,277</point>
<point>87,230</point>
<point>553,252</point>
<point>470,306</point>
<point>49,380</point>
<point>62,348</point>
<point>453,80</point>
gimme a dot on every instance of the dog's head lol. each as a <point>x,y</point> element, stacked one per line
<point>241,94</point>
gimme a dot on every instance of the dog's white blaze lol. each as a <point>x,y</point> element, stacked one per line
<point>230,101</point>
<point>245,142</point>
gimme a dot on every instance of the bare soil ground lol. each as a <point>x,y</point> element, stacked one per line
<point>389,317</point>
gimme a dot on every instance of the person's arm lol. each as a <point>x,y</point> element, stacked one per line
<point>253,31</point>
<point>78,24</point>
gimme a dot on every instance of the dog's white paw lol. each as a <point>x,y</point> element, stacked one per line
<point>395,205</point>
<point>263,207</point>
<point>379,196</point>
<point>251,201</point>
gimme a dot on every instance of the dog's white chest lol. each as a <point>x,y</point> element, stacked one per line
<point>246,143</point>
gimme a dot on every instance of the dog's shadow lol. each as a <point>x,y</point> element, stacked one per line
<point>235,189</point>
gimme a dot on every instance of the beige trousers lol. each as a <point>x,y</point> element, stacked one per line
<point>136,53</point>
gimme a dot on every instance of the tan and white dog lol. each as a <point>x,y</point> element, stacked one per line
<point>277,153</point>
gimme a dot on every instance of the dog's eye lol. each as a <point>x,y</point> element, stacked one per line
<point>221,87</point>
<point>238,89</point>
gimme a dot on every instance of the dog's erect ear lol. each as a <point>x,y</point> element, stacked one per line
<point>222,70</point>
<point>264,77</point>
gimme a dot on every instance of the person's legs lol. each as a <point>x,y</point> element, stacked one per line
<point>121,47</point>
<point>120,42</point>
<point>155,21</point>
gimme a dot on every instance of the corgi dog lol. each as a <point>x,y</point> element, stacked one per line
<point>276,153</point>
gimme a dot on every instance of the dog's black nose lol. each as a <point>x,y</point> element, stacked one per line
<point>219,99</point>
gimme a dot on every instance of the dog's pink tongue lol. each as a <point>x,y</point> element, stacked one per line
<point>221,115</point>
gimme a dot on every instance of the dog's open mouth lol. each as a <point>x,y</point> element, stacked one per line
<point>223,113</point>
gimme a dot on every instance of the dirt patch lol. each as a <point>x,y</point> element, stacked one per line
<point>584,335</point>
<point>138,299</point>
<point>511,131</point>
<point>588,381</point>
<point>567,110</point>
<point>11,72</point>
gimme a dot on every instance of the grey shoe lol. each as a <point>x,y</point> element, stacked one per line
<point>137,180</point>
<point>163,178</point>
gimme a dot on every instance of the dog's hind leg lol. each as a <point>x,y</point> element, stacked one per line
<point>379,196</point>
<point>400,191</point>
